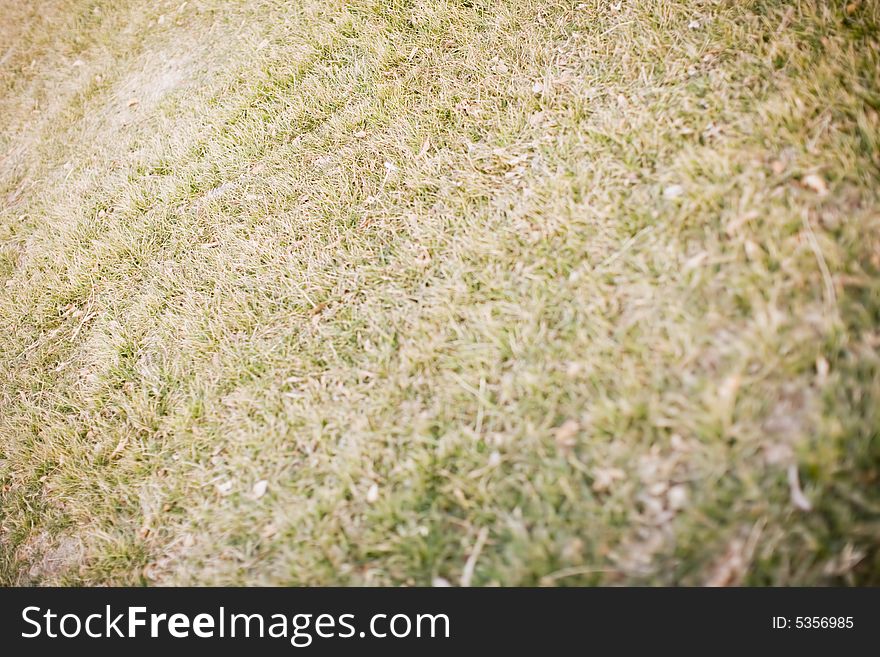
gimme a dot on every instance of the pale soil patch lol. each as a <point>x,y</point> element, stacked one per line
<point>153,76</point>
<point>50,558</point>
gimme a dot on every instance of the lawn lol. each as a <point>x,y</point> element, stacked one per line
<point>450,292</point>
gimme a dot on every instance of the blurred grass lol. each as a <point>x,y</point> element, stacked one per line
<point>592,277</point>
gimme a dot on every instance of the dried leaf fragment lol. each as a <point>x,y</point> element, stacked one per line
<point>815,183</point>
<point>677,497</point>
<point>731,567</point>
<point>564,434</point>
<point>673,191</point>
<point>604,478</point>
<point>260,488</point>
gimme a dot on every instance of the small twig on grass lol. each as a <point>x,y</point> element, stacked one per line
<point>468,573</point>
<point>830,294</point>
<point>626,247</point>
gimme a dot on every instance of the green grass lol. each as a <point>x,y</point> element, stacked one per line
<point>568,290</point>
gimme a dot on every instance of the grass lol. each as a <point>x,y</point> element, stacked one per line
<point>578,292</point>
